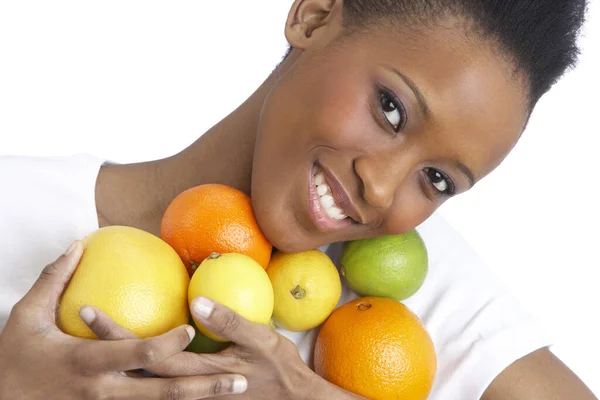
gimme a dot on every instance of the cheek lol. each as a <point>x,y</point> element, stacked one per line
<point>411,208</point>
<point>340,112</point>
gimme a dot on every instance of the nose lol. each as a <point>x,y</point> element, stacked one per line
<point>380,177</point>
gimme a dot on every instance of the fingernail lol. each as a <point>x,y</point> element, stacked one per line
<point>240,384</point>
<point>191,332</point>
<point>87,315</point>
<point>71,248</point>
<point>203,307</point>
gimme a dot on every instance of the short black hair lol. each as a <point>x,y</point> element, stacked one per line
<point>538,36</point>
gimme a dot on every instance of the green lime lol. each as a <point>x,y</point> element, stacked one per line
<point>387,266</point>
<point>202,344</point>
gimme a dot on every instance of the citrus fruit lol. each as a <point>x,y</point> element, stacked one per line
<point>213,218</point>
<point>306,286</point>
<point>131,275</point>
<point>236,281</point>
<point>202,344</point>
<point>376,347</point>
<point>387,266</point>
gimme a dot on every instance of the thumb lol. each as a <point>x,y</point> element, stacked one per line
<point>46,291</point>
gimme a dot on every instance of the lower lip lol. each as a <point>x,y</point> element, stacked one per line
<point>322,221</point>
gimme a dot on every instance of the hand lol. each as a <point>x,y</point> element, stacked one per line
<point>38,361</point>
<point>273,366</point>
<point>268,360</point>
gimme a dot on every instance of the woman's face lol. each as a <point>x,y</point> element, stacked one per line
<point>369,135</point>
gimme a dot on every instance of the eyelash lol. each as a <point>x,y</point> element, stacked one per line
<point>383,92</point>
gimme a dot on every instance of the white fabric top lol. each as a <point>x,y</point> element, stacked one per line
<point>477,327</point>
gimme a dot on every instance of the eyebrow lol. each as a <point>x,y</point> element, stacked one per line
<point>416,91</point>
<point>465,170</point>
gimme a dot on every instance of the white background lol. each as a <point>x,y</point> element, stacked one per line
<point>139,80</point>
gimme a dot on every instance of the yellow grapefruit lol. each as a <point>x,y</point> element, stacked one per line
<point>131,275</point>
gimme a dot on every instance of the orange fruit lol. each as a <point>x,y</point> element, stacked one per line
<point>213,218</point>
<point>377,348</point>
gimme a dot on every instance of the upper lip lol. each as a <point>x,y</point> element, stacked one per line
<point>341,197</point>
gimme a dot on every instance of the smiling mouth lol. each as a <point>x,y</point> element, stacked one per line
<point>326,203</point>
<point>331,208</point>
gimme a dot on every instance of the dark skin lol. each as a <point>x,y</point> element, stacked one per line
<point>337,101</point>
<point>324,105</point>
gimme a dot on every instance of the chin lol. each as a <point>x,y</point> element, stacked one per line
<point>282,231</point>
<point>285,237</point>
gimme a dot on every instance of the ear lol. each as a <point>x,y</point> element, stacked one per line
<point>309,17</point>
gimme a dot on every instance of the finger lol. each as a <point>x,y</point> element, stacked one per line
<point>191,364</point>
<point>53,279</point>
<point>228,324</point>
<point>181,364</point>
<point>130,354</point>
<point>186,388</point>
<point>103,326</point>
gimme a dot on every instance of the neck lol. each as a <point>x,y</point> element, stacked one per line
<point>138,194</point>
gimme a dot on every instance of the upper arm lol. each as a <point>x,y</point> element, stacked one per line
<point>538,376</point>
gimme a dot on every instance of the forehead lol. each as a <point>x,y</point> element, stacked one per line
<point>478,102</point>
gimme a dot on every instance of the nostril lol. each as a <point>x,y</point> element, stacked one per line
<point>361,183</point>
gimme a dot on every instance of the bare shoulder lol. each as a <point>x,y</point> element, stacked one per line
<point>539,375</point>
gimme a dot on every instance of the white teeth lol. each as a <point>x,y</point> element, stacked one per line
<point>322,189</point>
<point>335,213</point>
<point>319,179</point>
<point>327,201</point>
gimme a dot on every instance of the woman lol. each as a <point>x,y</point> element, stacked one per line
<point>401,104</point>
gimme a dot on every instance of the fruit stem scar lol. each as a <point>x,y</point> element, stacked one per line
<point>194,265</point>
<point>363,306</point>
<point>298,292</point>
<point>213,256</point>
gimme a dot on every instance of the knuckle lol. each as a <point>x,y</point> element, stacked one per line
<point>285,344</point>
<point>49,271</point>
<point>174,391</point>
<point>277,344</point>
<point>102,330</point>
<point>270,343</point>
<point>230,322</point>
<point>146,353</point>
<point>273,341</point>
<point>218,387</point>
<point>184,339</point>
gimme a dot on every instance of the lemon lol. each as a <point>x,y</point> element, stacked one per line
<point>392,266</point>
<point>131,275</point>
<point>307,289</point>
<point>236,281</point>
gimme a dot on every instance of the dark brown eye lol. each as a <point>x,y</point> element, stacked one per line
<point>391,110</point>
<point>440,181</point>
